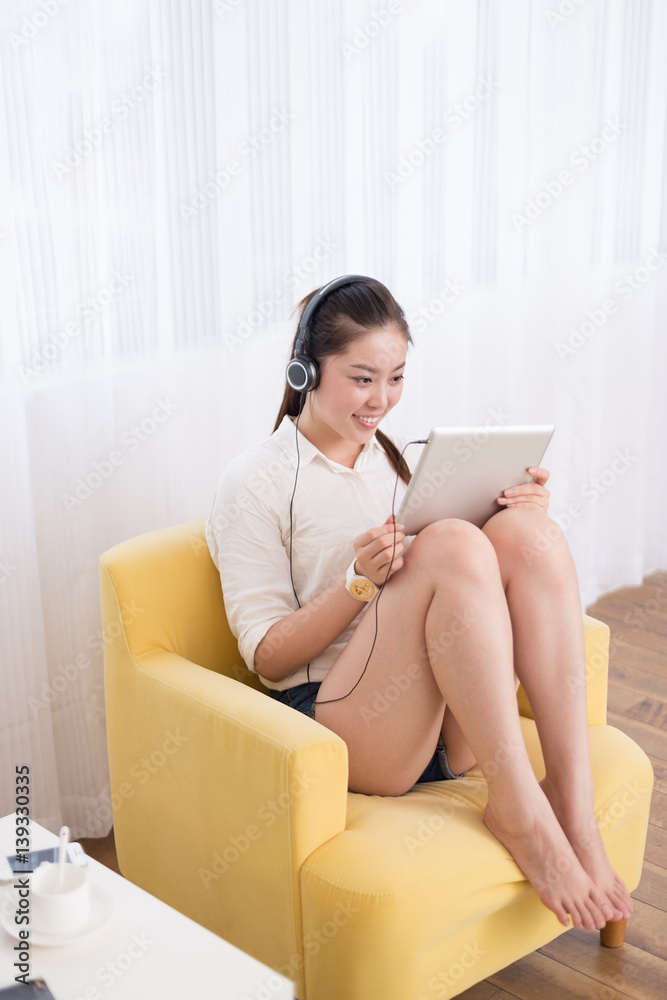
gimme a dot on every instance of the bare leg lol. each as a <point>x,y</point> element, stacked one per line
<point>450,585</point>
<point>540,581</point>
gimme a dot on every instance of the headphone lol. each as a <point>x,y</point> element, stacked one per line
<point>302,372</point>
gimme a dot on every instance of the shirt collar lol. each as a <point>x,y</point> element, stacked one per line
<point>286,438</point>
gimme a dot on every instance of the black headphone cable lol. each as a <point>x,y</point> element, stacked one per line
<point>328,701</point>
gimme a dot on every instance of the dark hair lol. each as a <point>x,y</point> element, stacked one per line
<point>344,314</point>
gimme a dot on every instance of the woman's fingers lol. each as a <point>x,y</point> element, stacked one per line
<point>513,498</point>
<point>534,493</point>
<point>530,491</point>
<point>370,536</point>
<point>374,550</point>
<point>539,475</point>
<point>380,550</point>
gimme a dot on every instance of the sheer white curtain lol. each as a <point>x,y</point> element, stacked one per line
<point>176,174</point>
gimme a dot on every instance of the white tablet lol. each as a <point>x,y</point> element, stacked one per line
<point>462,470</point>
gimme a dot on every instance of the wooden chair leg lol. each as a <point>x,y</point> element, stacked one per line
<point>612,934</point>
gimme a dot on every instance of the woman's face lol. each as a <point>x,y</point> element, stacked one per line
<point>356,390</point>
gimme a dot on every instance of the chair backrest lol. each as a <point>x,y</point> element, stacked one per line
<point>169,595</point>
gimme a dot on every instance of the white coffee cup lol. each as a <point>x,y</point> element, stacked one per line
<point>59,907</point>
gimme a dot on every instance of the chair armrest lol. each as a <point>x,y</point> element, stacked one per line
<point>219,793</point>
<point>596,638</point>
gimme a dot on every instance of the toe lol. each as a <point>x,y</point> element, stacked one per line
<point>580,918</point>
<point>603,904</point>
<point>597,908</point>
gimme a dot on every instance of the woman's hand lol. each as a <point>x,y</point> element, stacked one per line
<point>533,494</point>
<point>373,550</point>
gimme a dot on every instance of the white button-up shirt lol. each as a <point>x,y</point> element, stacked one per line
<point>248,533</point>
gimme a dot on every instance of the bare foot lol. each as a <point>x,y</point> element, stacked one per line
<point>531,833</point>
<point>581,829</point>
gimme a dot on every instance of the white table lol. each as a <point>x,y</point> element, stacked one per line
<point>147,950</point>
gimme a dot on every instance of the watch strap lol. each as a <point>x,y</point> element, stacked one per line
<point>360,587</point>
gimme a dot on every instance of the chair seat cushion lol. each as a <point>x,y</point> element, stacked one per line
<point>411,873</point>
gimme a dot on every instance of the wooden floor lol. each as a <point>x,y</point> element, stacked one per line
<point>575,966</point>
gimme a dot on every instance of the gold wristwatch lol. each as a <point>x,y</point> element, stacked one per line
<point>359,586</point>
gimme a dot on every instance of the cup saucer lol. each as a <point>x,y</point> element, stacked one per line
<point>102,906</point>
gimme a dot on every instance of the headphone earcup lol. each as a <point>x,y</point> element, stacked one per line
<point>302,373</point>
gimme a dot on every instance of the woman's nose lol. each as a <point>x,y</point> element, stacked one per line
<point>378,396</point>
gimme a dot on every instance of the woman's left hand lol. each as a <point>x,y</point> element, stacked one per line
<point>533,494</point>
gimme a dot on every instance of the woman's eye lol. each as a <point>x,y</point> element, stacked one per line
<point>364,379</point>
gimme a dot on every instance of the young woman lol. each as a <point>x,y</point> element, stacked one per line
<point>302,537</point>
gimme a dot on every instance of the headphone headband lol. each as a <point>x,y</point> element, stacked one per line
<point>302,371</point>
<point>316,301</point>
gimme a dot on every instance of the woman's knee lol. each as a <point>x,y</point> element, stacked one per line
<point>528,533</point>
<point>453,544</point>
<point>530,543</point>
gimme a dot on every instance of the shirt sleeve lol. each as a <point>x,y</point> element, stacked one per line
<point>244,536</point>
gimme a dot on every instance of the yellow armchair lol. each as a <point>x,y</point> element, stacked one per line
<point>234,808</point>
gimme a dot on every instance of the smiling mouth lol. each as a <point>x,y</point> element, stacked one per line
<point>367,421</point>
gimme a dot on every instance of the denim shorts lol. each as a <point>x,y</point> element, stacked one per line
<point>303,700</point>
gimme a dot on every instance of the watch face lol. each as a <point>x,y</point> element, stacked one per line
<point>363,590</point>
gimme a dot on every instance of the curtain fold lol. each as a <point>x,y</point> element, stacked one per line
<point>176,174</point>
